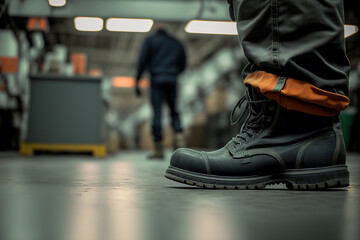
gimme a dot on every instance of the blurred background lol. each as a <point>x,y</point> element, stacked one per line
<point>67,85</point>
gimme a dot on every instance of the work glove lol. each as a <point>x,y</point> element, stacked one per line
<point>137,91</point>
<point>231,9</point>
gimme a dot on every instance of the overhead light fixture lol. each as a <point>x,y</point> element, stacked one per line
<point>90,24</point>
<point>229,28</point>
<point>211,27</point>
<point>129,25</point>
<point>57,3</point>
<point>350,30</point>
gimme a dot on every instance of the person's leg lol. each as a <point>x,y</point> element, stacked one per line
<point>300,41</point>
<point>171,101</point>
<point>297,84</point>
<point>171,93</point>
<point>157,97</point>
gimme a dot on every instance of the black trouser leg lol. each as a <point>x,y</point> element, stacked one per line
<point>300,39</point>
<point>157,97</point>
<point>170,94</point>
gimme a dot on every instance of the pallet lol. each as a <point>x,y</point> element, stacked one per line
<point>29,148</point>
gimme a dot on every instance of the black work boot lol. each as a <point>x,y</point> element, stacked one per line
<point>179,140</point>
<point>274,145</point>
<point>158,152</point>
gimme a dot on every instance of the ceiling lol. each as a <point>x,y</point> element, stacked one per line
<point>116,53</point>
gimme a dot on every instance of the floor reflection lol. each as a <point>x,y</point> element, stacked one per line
<point>84,215</point>
<point>107,208</point>
<point>122,213</point>
<point>209,221</point>
<point>126,197</point>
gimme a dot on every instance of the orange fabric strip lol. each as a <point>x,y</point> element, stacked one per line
<point>298,95</point>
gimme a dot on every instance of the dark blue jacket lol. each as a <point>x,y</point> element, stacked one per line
<point>162,55</point>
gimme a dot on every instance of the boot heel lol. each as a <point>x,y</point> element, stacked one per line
<point>317,178</point>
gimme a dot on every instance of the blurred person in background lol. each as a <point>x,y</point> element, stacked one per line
<point>297,84</point>
<point>165,58</point>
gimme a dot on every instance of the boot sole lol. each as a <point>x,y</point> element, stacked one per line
<point>295,179</point>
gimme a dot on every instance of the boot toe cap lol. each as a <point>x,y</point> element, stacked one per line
<point>190,160</point>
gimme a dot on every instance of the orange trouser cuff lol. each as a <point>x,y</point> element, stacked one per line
<point>297,95</point>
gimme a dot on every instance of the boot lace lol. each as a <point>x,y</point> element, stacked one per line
<point>253,124</point>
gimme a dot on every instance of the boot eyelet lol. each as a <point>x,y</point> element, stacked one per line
<point>271,108</point>
<point>268,119</point>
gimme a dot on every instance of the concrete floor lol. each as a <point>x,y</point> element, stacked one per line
<point>126,197</point>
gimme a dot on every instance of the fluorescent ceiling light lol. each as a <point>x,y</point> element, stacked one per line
<point>57,3</point>
<point>211,27</point>
<point>229,28</point>
<point>350,30</point>
<point>129,25</point>
<point>90,24</point>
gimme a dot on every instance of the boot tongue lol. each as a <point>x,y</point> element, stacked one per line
<point>255,95</point>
